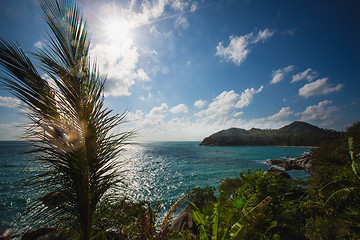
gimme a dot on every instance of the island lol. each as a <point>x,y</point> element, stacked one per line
<point>295,134</point>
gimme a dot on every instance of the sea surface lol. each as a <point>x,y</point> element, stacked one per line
<point>152,171</point>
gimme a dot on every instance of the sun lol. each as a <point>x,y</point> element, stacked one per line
<point>118,31</point>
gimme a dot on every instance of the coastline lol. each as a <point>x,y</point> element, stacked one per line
<point>297,146</point>
<point>284,146</point>
<point>300,163</point>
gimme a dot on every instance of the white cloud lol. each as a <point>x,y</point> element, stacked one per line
<point>179,5</point>
<point>138,115</point>
<point>181,108</point>
<point>158,113</point>
<point>148,97</point>
<point>308,74</point>
<point>221,109</point>
<point>284,113</point>
<point>247,96</point>
<point>11,131</point>
<point>9,125</point>
<point>278,75</point>
<point>319,87</point>
<point>239,46</point>
<point>159,125</point>
<point>199,103</point>
<point>141,75</point>
<point>238,114</point>
<point>39,44</point>
<point>119,64</point>
<point>263,35</point>
<point>291,32</point>
<point>9,102</point>
<point>274,120</point>
<point>236,51</point>
<point>150,10</point>
<point>320,113</point>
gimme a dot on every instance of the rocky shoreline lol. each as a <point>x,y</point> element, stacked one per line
<point>282,165</point>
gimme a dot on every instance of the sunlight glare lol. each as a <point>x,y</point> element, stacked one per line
<point>118,31</point>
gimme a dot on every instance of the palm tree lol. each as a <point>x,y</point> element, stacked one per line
<point>71,130</point>
<point>224,223</point>
<point>341,189</point>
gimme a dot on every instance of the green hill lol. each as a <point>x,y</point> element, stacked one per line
<point>294,134</point>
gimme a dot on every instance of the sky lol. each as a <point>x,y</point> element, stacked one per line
<point>185,69</point>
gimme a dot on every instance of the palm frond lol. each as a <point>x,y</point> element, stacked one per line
<point>335,197</point>
<point>147,224</point>
<point>168,216</point>
<point>199,219</point>
<point>216,226</point>
<point>22,79</point>
<point>71,129</point>
<point>343,188</point>
<point>354,166</point>
<point>333,186</point>
<point>240,227</point>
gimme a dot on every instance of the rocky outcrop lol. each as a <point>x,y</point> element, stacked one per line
<point>276,161</point>
<point>184,221</point>
<point>278,172</point>
<point>302,163</point>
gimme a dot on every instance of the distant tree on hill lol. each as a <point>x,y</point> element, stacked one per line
<point>294,134</point>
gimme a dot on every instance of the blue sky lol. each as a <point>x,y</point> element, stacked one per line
<point>185,69</point>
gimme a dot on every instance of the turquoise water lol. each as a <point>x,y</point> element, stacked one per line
<point>14,166</point>
<point>152,171</point>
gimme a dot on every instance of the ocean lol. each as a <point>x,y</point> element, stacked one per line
<point>152,171</point>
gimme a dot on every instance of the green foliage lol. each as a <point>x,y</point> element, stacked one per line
<point>202,197</point>
<point>199,220</point>
<point>188,235</point>
<point>325,228</point>
<point>223,224</point>
<point>285,216</point>
<point>339,192</point>
<point>287,205</point>
<point>122,216</point>
<point>331,160</point>
<point>334,189</point>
